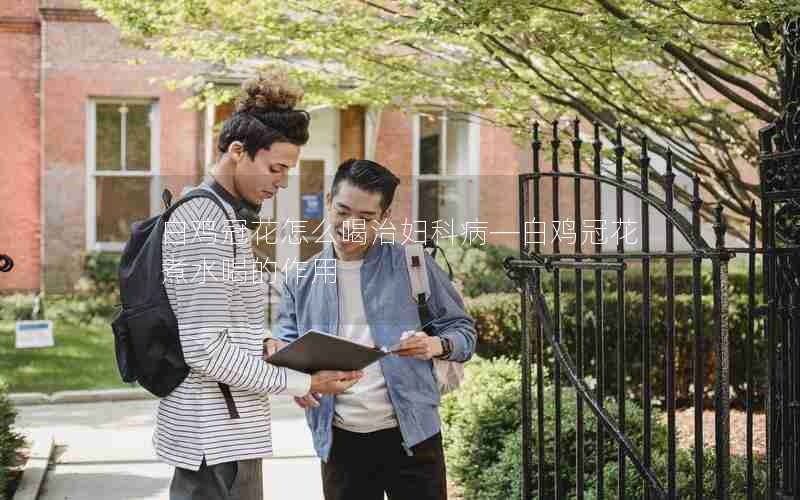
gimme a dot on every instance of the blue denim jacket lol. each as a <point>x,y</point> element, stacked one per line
<point>308,303</point>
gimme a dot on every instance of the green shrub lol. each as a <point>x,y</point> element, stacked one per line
<point>9,440</point>
<point>16,307</point>
<point>94,310</point>
<point>477,418</point>
<point>483,437</point>
<point>477,267</point>
<point>100,269</point>
<point>684,476</point>
<point>483,442</point>
<point>83,309</point>
<point>497,321</point>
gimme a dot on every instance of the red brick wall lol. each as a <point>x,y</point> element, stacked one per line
<point>394,151</point>
<point>498,185</point>
<point>85,60</point>
<point>19,128</point>
<point>20,8</point>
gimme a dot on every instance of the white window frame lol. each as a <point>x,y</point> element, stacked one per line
<point>470,168</point>
<point>92,173</point>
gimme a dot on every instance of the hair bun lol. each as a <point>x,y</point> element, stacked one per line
<point>266,93</point>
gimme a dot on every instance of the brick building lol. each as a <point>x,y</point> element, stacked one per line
<point>91,139</point>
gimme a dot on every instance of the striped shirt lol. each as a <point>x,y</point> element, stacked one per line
<point>219,304</point>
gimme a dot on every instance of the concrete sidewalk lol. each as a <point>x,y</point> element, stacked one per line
<point>105,453</point>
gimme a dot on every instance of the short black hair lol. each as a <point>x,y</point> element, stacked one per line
<point>369,176</point>
<point>258,131</point>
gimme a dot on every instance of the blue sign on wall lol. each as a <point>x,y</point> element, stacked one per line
<point>312,206</point>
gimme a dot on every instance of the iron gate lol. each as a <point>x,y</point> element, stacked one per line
<point>547,330</point>
<point>780,191</point>
<point>580,355</point>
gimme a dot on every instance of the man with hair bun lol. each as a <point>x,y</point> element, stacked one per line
<point>219,415</point>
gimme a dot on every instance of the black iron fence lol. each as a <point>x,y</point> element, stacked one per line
<point>780,191</point>
<point>773,297</point>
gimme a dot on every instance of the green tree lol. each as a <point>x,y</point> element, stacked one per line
<point>699,76</point>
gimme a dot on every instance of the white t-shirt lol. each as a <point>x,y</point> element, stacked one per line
<point>366,406</point>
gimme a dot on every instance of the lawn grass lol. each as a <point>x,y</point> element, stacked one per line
<point>83,358</point>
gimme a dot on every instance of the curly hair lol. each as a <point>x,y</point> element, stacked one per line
<point>265,114</point>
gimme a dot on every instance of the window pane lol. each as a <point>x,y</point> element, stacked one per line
<point>120,201</point>
<point>137,153</point>
<point>457,143</point>
<point>107,137</point>
<point>429,145</point>
<point>442,200</point>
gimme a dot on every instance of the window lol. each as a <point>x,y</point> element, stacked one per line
<point>122,163</point>
<point>446,163</point>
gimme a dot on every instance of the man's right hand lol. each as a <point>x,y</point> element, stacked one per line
<point>333,382</point>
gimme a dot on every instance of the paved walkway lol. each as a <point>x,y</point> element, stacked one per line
<point>104,452</point>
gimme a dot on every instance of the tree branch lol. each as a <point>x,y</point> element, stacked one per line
<point>735,80</point>
<point>695,18</point>
<point>693,64</point>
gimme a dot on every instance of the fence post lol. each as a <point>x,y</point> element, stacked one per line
<point>722,345</point>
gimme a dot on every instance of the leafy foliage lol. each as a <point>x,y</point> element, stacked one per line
<point>697,76</point>
<point>10,441</point>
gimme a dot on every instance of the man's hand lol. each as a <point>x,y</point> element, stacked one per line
<point>325,381</point>
<point>419,345</point>
<point>334,382</point>
<point>310,400</point>
<point>271,345</point>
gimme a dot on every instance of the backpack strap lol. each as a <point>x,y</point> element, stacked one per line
<point>420,286</point>
<point>431,243</point>
<point>171,207</point>
<point>197,193</point>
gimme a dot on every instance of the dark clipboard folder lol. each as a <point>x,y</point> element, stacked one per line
<point>317,351</point>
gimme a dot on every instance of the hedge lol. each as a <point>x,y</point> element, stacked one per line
<point>94,301</point>
<point>497,319</point>
<point>482,437</point>
<point>9,440</point>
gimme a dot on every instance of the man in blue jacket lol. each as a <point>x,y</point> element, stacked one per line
<point>383,434</point>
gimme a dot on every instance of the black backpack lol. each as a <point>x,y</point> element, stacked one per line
<point>146,340</point>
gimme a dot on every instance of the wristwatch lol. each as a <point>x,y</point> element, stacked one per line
<point>447,347</point>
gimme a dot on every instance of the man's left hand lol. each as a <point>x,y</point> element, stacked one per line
<point>271,345</point>
<point>420,345</point>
